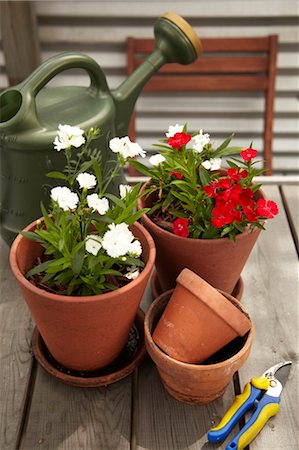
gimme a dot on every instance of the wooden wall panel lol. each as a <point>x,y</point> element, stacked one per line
<point>100,29</point>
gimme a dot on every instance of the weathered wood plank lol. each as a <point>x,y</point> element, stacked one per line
<point>271,297</point>
<point>15,355</point>
<point>167,424</point>
<point>63,417</point>
<point>288,33</point>
<point>186,9</point>
<point>19,39</point>
<point>291,198</point>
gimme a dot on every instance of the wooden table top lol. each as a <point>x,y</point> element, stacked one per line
<point>39,412</point>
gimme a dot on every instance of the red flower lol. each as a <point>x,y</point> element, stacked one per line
<point>237,174</point>
<point>224,183</point>
<point>180,227</point>
<point>237,215</point>
<point>246,197</point>
<point>233,193</point>
<point>177,174</point>
<point>211,189</point>
<point>267,208</point>
<point>179,139</point>
<point>250,212</point>
<point>222,215</point>
<point>248,153</point>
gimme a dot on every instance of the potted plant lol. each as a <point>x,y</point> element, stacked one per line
<point>195,383</point>
<point>198,320</point>
<point>201,216</point>
<point>84,265</point>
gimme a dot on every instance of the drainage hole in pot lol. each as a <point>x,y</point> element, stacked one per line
<point>124,358</point>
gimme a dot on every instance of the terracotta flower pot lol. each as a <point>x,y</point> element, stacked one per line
<point>198,320</point>
<point>82,333</point>
<point>195,383</point>
<point>219,261</point>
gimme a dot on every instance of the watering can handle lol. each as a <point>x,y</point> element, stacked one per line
<point>43,74</point>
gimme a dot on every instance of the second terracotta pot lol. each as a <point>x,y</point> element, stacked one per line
<point>218,261</point>
<point>195,383</point>
<point>198,320</point>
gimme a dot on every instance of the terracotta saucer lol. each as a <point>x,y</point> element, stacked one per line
<point>130,358</point>
<point>157,290</point>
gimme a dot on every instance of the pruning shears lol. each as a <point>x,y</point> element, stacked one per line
<point>263,393</point>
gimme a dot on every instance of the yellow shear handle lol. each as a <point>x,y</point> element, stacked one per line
<point>238,402</point>
<point>264,415</point>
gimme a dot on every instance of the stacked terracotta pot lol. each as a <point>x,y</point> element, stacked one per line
<point>198,337</point>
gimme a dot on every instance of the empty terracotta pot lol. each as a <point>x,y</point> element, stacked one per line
<point>195,383</point>
<point>82,333</point>
<point>218,261</point>
<point>198,320</point>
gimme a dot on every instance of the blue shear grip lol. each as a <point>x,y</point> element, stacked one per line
<point>241,404</point>
<point>267,407</point>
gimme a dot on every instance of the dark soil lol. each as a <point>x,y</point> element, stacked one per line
<point>164,220</point>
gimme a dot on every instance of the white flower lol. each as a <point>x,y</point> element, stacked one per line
<point>101,205</point>
<point>132,273</point>
<point>93,244</point>
<point>117,240</point>
<point>135,249</point>
<point>174,129</point>
<point>156,159</point>
<point>200,140</point>
<point>124,189</point>
<point>68,136</point>
<point>86,180</point>
<point>65,198</point>
<point>212,164</point>
<point>126,148</point>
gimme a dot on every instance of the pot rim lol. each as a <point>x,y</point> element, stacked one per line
<point>201,367</point>
<point>166,233</point>
<point>88,298</point>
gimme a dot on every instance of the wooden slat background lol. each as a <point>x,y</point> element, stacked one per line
<point>100,30</point>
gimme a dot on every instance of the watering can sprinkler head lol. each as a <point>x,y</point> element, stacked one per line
<point>177,39</point>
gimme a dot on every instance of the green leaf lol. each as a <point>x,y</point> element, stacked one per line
<point>110,272</point>
<point>229,151</point>
<point>204,176</point>
<point>116,200</point>
<point>77,261</point>
<point>48,222</point>
<point>231,164</point>
<point>136,216</point>
<point>38,269</point>
<point>141,167</point>
<point>224,143</point>
<point>97,170</point>
<point>225,231</point>
<point>210,233</point>
<point>32,236</point>
<point>176,213</point>
<point>57,175</point>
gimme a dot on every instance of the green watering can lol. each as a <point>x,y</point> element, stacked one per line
<point>30,114</point>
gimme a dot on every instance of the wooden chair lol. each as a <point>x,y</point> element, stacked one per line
<point>226,65</point>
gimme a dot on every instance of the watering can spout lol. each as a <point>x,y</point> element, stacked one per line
<point>176,42</point>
